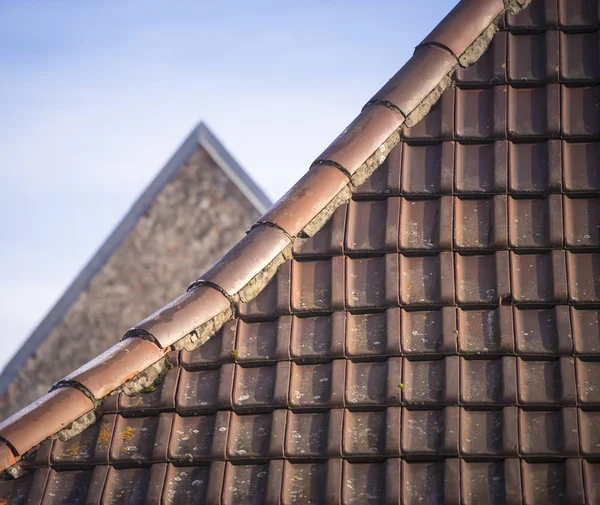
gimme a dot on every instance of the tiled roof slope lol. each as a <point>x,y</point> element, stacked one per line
<point>437,341</point>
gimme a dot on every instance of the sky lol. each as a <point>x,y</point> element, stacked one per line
<point>96,96</point>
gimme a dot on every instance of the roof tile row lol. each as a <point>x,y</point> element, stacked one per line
<point>327,285</point>
<point>446,168</point>
<point>419,225</point>
<point>422,377</point>
<point>535,58</point>
<point>357,435</point>
<point>335,482</point>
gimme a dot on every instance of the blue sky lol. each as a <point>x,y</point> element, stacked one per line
<point>96,96</point>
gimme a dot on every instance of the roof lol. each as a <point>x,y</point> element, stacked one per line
<point>416,321</point>
<point>200,136</point>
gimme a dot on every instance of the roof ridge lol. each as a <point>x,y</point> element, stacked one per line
<point>142,355</point>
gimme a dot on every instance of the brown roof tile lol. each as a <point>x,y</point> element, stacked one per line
<point>318,337</point>
<point>543,331</point>
<point>123,361</point>
<point>535,167</point>
<point>386,179</point>
<point>376,383</point>
<point>362,139</point>
<point>313,482</point>
<point>489,433</point>
<point>436,481</point>
<point>464,24</point>
<point>489,382</point>
<point>490,68</point>
<point>428,169</point>
<point>535,223</point>
<point>492,481</point>
<point>317,285</point>
<point>205,390</point>
<point>273,300</point>
<point>491,231</point>
<point>426,224</point>
<point>581,14</point>
<point>264,341</point>
<point>314,386</point>
<point>325,439</point>
<point>580,56</point>
<point>416,79</point>
<point>427,280</point>
<point>481,113</point>
<point>544,383</point>
<point>258,249</point>
<point>198,438</point>
<point>309,196</point>
<point>328,242</point>
<point>380,274</point>
<point>371,482</point>
<point>586,331</point>
<point>44,418</point>
<point>540,15</point>
<point>183,315</point>
<point>580,111</point>
<point>432,382</point>
<point>437,124</point>
<point>534,112</point>
<point>481,168</point>
<point>526,65</point>
<point>558,478</point>
<point>441,437</point>
<point>487,332</point>
<point>90,447</point>
<point>431,332</point>
<point>215,352</point>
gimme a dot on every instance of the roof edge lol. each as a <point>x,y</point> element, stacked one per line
<point>201,136</point>
<point>232,168</point>
<point>246,269</point>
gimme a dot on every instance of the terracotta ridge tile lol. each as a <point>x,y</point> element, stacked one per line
<point>363,139</point>
<point>44,419</point>
<point>242,273</point>
<point>465,23</point>
<point>114,367</point>
<point>323,185</point>
<point>251,263</point>
<point>204,307</point>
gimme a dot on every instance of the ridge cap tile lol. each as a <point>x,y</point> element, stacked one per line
<point>421,74</point>
<point>249,258</point>
<point>115,366</point>
<point>307,198</point>
<point>183,315</point>
<point>44,418</point>
<point>463,25</point>
<point>240,273</point>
